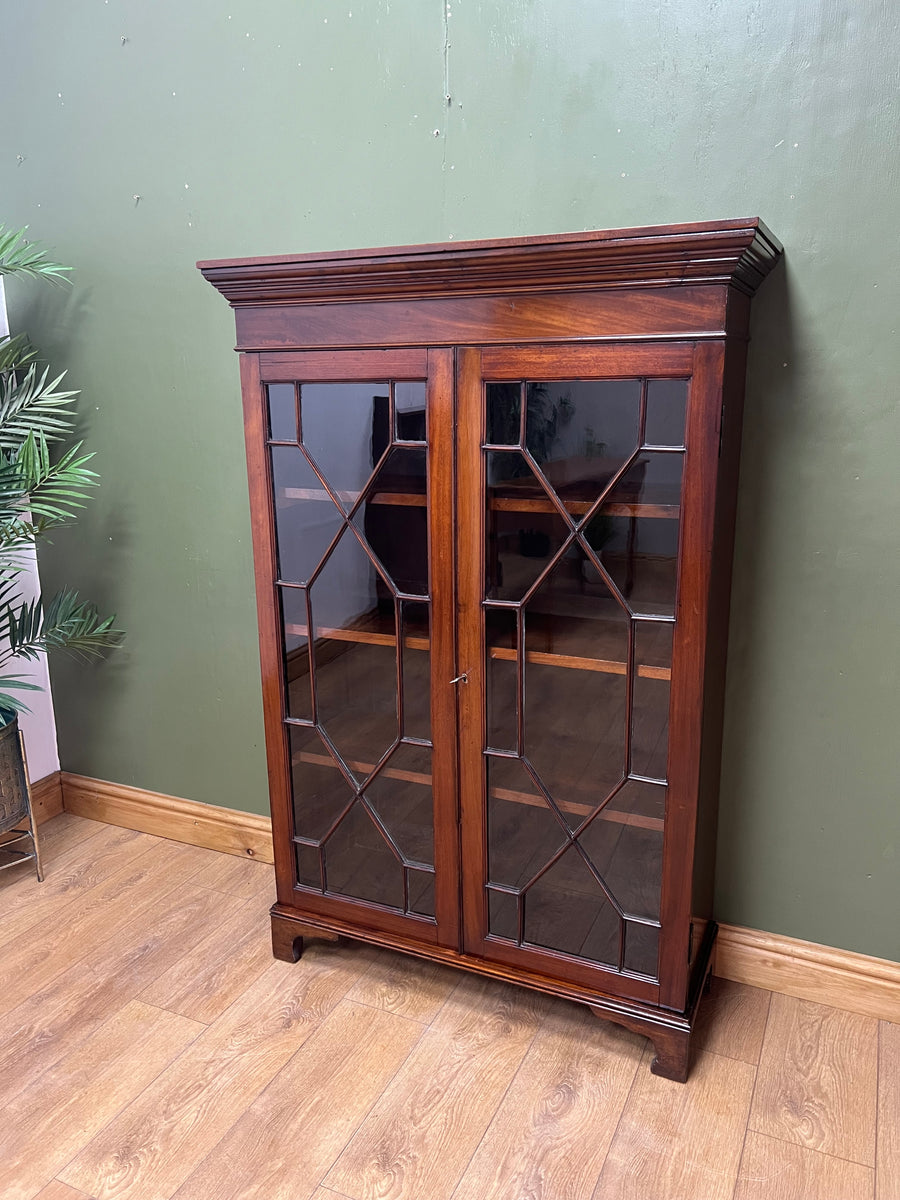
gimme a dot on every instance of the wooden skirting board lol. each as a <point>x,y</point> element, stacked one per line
<point>225,829</point>
<point>806,970</point>
<point>47,797</point>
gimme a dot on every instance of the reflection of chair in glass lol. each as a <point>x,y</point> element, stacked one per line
<point>17,823</point>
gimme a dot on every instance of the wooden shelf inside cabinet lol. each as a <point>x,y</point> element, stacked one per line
<point>493,670</point>
<point>611,813</point>
<point>514,502</point>
<point>376,629</point>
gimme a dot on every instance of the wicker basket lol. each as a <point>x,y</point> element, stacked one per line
<point>18,832</point>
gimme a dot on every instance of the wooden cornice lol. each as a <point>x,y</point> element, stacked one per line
<point>739,252</point>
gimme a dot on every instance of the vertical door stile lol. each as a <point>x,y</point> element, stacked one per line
<point>442,543</point>
<point>265,571</point>
<point>470,555</point>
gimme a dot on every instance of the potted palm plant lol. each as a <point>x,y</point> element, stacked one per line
<point>43,484</point>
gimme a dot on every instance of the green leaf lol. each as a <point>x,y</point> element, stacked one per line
<point>15,353</point>
<point>21,257</point>
<point>67,623</point>
<point>32,405</point>
<point>19,684</point>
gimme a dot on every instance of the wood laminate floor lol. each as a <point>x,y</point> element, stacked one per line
<point>152,1048</point>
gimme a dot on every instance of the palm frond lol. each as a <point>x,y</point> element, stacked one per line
<point>52,491</point>
<point>15,353</point>
<point>19,684</point>
<point>32,405</point>
<point>67,623</point>
<point>21,257</point>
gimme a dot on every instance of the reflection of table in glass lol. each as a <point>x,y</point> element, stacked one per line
<point>493,507</point>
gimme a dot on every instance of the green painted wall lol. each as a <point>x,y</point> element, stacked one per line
<point>267,126</point>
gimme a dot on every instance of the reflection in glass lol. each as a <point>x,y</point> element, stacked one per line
<point>524,530</point>
<point>401,795</point>
<point>306,520</point>
<point>364,801</point>
<point>359,862</point>
<point>522,830</point>
<point>295,648</point>
<point>502,679</point>
<point>504,406</point>
<point>356,681</point>
<point>337,422</point>
<point>421,892</point>
<point>582,537</point>
<point>582,432</point>
<point>629,859</point>
<point>503,915</point>
<point>666,410</point>
<point>635,533</point>
<point>409,404</point>
<point>309,873</point>
<point>416,667</point>
<point>394,518</point>
<point>566,907</point>
<point>321,793</point>
<point>641,949</point>
<point>282,412</point>
<point>650,698</point>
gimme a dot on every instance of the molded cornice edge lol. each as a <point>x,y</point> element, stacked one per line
<point>738,252</point>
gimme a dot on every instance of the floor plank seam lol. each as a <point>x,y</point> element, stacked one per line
<point>643,1062</point>
<point>753,1097</point>
<point>812,1149</point>
<point>499,1105</point>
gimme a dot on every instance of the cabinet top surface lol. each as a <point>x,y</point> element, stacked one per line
<point>740,252</point>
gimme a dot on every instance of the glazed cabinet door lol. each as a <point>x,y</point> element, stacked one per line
<point>572,541</point>
<point>351,462</point>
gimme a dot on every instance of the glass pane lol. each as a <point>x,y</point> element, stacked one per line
<point>666,409</point>
<point>502,679</point>
<point>321,792</point>
<point>504,407</point>
<point>359,861</point>
<point>309,872</point>
<point>409,406</point>
<point>523,833</point>
<point>401,795</point>
<point>644,804</point>
<point>394,519</point>
<point>629,860</point>
<point>567,910</point>
<point>355,655</point>
<point>576,648</point>
<point>642,949</point>
<point>503,916</point>
<point>581,432</point>
<point>306,519</point>
<point>416,663</point>
<point>355,784</point>
<point>296,653</point>
<point>421,892</point>
<point>635,535</point>
<point>282,412</point>
<point>338,425</point>
<point>524,529</point>
<point>650,698</point>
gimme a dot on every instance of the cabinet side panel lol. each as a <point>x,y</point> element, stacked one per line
<point>719,609</point>
<point>255,425</point>
<point>688,671</point>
